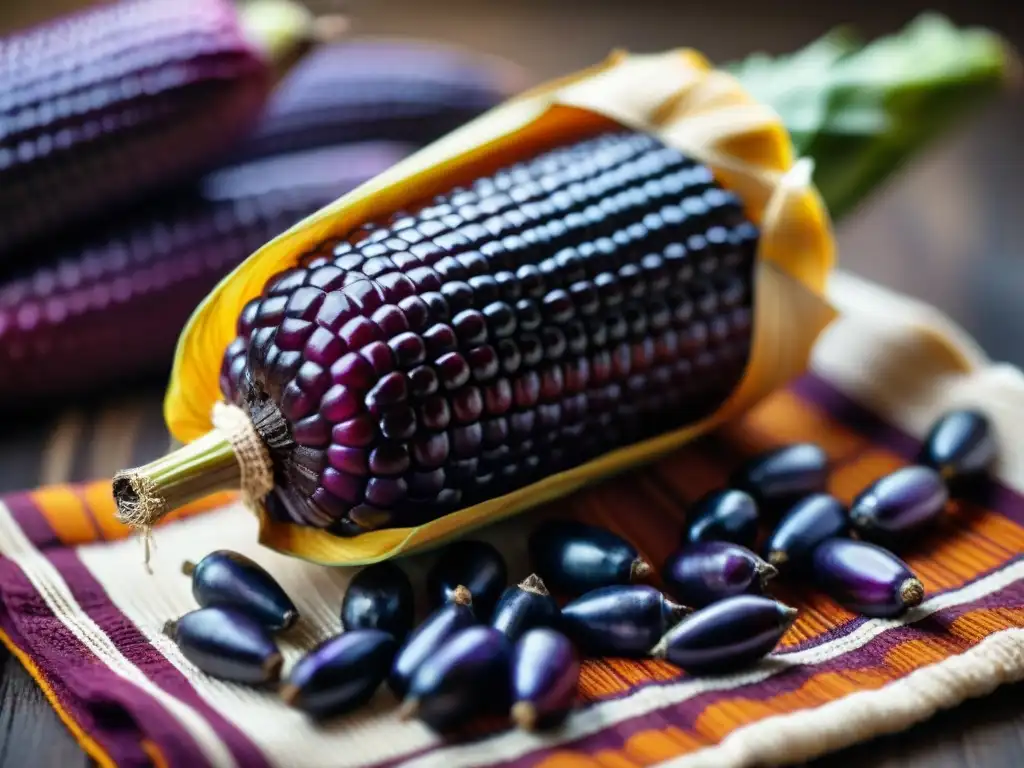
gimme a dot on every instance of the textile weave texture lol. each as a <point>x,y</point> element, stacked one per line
<point>80,611</point>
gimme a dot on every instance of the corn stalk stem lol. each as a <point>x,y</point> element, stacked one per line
<point>146,494</point>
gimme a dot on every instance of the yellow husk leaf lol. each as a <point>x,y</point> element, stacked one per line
<point>676,96</point>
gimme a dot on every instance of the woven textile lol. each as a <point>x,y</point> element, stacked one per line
<point>81,612</point>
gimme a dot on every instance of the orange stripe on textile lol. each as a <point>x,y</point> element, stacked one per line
<point>65,511</point>
<point>82,514</point>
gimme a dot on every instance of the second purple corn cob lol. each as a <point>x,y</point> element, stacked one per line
<point>116,101</point>
<point>377,90</point>
<point>113,307</point>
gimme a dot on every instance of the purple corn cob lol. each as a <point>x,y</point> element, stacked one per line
<point>113,307</point>
<point>374,90</point>
<point>559,309</point>
<point>117,100</point>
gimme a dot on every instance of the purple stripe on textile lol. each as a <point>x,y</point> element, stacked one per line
<point>134,645</point>
<point>685,714</point>
<point>31,521</point>
<point>71,671</point>
<point>992,494</point>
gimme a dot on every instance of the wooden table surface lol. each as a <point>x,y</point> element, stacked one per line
<point>949,231</point>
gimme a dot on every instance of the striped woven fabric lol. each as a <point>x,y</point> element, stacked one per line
<point>84,616</point>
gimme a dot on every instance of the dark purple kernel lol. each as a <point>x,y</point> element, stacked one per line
<point>449,498</point>
<point>336,311</point>
<point>292,334</point>
<point>425,279</point>
<point>327,504</point>
<point>467,405</point>
<point>636,320</point>
<point>693,339</point>
<point>495,431</point>
<point>431,451</point>
<point>354,371</point>
<point>323,347</point>
<point>501,319</point>
<point>304,303</point>
<point>371,247</point>
<point>498,397</point>
<point>427,252</point>
<point>574,408</point>
<point>483,362</point>
<point>391,320</point>
<point>409,350</point>
<point>551,383</point>
<point>366,294</point>
<point>378,354</point>
<point>285,282</point>
<point>327,278</point>
<point>440,339</point>
<point>576,337</point>
<point>389,391</point>
<point>296,403</point>
<point>247,319</point>
<point>439,311</point>
<point>558,307</point>
<point>358,432</point>
<point>531,280</point>
<point>528,314</point>
<point>461,471</point>
<point>349,262</point>
<point>466,440</point>
<point>643,355</point>
<point>342,485</point>
<point>453,370</point>
<point>452,273</point>
<point>417,313</point>
<point>395,286</point>
<point>346,459</point>
<point>385,491</point>
<point>531,349</point>
<point>585,297</point>
<point>339,403</point>
<point>577,375</point>
<point>608,289</point>
<point>435,413</point>
<point>549,416</point>
<point>508,353</point>
<point>376,266</point>
<point>271,311</point>
<point>360,331</point>
<point>554,342</point>
<point>526,389</point>
<point>312,431</point>
<point>423,381</point>
<point>398,424</point>
<point>522,423</point>
<point>313,379</point>
<point>617,327</point>
<point>508,287</point>
<point>426,484</point>
<point>389,459</point>
<point>485,289</point>
<point>470,327</point>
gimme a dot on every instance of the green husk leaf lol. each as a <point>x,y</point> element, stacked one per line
<point>861,111</point>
